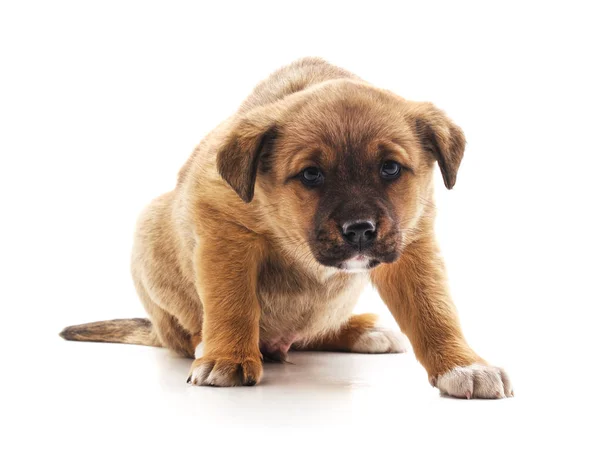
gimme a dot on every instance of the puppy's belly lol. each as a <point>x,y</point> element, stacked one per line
<point>286,319</point>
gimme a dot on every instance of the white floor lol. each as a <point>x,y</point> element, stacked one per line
<point>98,395</point>
<point>56,393</point>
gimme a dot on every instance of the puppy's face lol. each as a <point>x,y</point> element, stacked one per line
<point>344,170</point>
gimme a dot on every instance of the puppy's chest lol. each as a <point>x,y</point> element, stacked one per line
<point>295,306</point>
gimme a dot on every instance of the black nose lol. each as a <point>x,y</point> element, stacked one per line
<point>359,233</point>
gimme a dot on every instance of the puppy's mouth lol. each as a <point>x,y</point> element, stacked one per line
<point>358,264</point>
<point>350,260</point>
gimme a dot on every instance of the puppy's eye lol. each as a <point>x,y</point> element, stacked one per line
<point>390,170</point>
<point>312,176</point>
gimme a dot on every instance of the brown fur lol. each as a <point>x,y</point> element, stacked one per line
<point>243,256</point>
<point>343,339</point>
<point>414,289</point>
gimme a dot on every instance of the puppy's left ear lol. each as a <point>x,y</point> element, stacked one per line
<point>443,138</point>
<point>239,157</point>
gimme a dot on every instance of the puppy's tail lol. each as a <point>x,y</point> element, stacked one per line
<point>134,331</point>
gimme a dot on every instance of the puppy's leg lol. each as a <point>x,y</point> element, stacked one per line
<point>171,334</point>
<point>414,289</point>
<point>359,334</point>
<point>170,331</point>
<point>227,276</point>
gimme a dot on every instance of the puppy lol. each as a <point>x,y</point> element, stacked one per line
<point>319,184</point>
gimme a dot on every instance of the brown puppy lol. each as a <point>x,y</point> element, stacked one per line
<point>319,184</point>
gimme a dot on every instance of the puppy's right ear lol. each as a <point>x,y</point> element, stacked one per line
<point>239,157</point>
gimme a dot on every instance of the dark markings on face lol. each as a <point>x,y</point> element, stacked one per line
<point>354,191</point>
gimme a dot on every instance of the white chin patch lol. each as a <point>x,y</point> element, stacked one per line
<point>357,264</point>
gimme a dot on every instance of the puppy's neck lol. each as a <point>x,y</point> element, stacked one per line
<point>299,259</point>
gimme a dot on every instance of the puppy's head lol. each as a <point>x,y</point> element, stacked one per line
<point>342,169</point>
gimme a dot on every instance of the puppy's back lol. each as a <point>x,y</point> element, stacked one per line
<point>294,77</point>
<point>299,75</point>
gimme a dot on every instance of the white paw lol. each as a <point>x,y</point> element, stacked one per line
<point>379,341</point>
<point>225,372</point>
<point>475,381</point>
<point>199,351</point>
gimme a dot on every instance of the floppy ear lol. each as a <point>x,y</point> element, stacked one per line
<point>239,157</point>
<point>443,138</point>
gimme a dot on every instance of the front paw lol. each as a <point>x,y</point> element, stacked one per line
<point>474,381</point>
<point>225,372</point>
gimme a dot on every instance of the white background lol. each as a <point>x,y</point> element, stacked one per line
<point>101,104</point>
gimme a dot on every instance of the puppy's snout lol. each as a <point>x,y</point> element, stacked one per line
<point>359,233</point>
